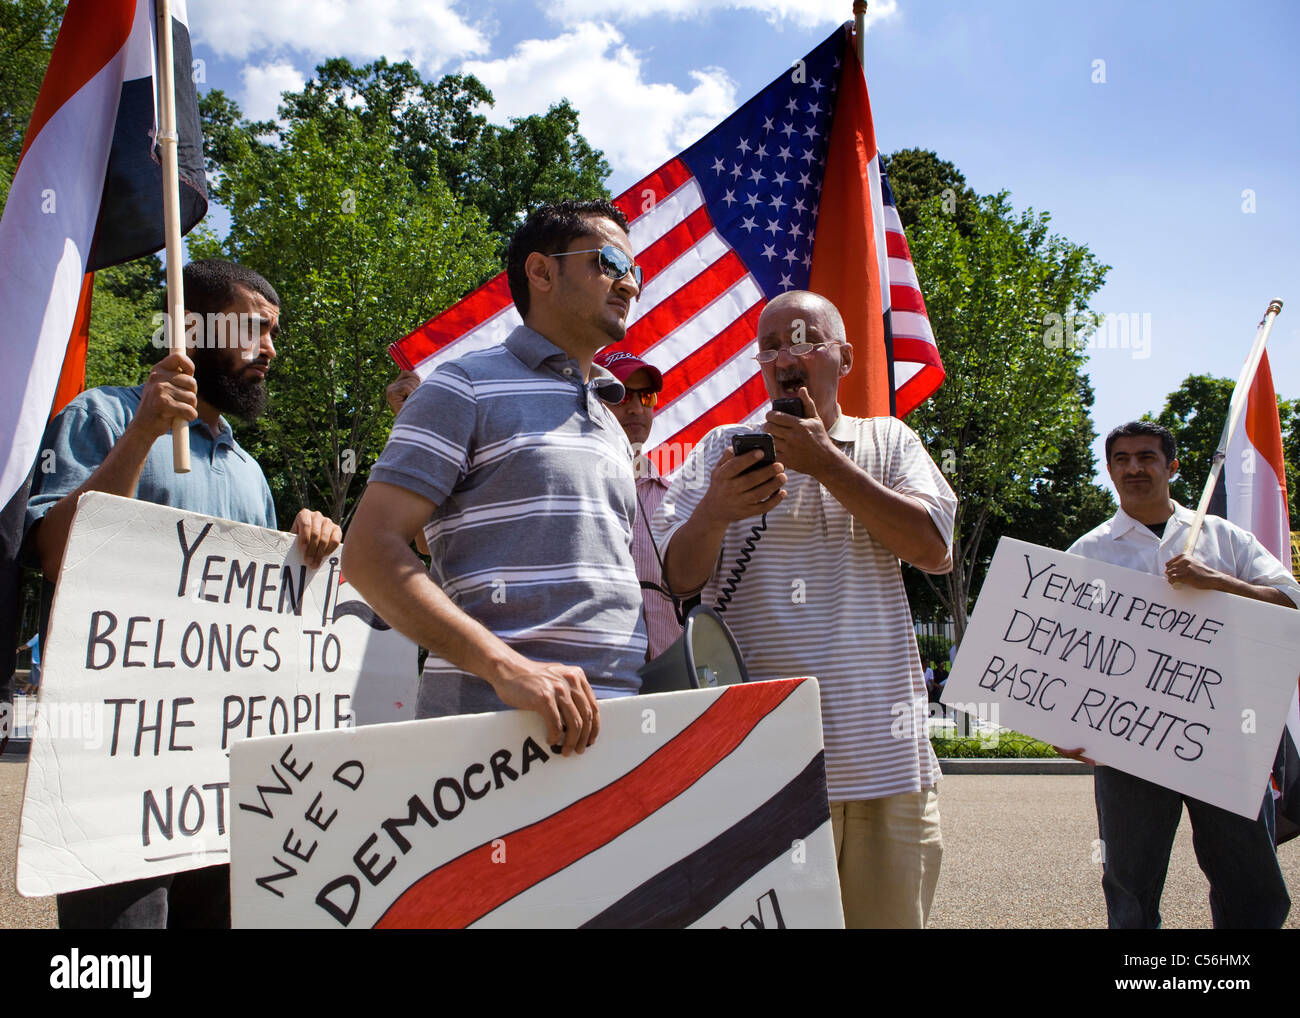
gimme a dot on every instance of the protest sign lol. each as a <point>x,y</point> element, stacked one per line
<point>1186,688</point>
<point>174,635</point>
<point>703,808</point>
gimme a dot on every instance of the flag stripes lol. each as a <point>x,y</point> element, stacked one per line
<point>464,890</point>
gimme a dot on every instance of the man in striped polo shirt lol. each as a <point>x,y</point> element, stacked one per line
<point>822,594</point>
<point>521,480</point>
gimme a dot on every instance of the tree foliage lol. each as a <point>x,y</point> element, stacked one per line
<point>1013,411</point>
<point>359,255</point>
<point>439,131</point>
<point>1196,412</point>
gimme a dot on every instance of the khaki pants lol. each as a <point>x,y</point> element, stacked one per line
<point>888,851</point>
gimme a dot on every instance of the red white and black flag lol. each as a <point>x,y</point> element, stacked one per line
<point>786,193</point>
<point>1252,494</point>
<point>87,194</point>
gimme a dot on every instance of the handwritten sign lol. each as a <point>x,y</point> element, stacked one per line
<point>704,808</point>
<point>1186,688</point>
<point>173,636</point>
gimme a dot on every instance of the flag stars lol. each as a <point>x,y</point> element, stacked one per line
<point>807,258</point>
<point>718,166</point>
<point>761,152</point>
<point>796,231</point>
<point>736,171</point>
<point>769,252</point>
<point>817,85</point>
<point>753,201</point>
<point>777,202</point>
<point>784,154</point>
<point>811,131</point>
<point>773,227</point>
<point>804,180</point>
<point>743,147</point>
<point>792,105</point>
<point>749,226</point>
<point>729,198</point>
<point>786,282</point>
<point>814,108</point>
<point>799,207</point>
<point>756,176</point>
<point>788,129</point>
<point>767,124</point>
<point>790,257</point>
<point>807,156</point>
<point>781,179</point>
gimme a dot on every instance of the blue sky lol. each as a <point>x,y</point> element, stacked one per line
<point>1148,130</point>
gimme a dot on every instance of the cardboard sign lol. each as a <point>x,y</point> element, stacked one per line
<point>174,635</point>
<point>704,808</point>
<point>1186,688</point>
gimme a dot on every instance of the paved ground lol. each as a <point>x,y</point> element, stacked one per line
<point>1018,852</point>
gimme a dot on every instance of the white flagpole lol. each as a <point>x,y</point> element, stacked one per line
<point>167,144</point>
<point>1240,396</point>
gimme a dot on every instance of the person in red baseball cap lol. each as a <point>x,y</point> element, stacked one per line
<point>642,384</point>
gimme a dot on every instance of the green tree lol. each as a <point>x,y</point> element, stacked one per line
<point>1014,397</point>
<point>28,29</point>
<point>439,132</point>
<point>359,255</point>
<point>122,322</point>
<point>1196,412</point>
<point>917,175</point>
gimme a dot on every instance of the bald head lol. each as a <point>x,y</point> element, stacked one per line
<point>812,307</point>
<point>806,333</point>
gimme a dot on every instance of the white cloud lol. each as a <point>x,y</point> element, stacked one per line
<point>263,85</point>
<point>429,33</point>
<point>801,13</point>
<point>636,123</point>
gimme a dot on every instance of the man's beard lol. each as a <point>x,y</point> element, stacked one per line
<point>229,392</point>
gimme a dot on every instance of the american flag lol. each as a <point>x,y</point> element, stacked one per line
<point>782,195</point>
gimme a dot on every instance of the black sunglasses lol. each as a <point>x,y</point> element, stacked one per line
<point>614,263</point>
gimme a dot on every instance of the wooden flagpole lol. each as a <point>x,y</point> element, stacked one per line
<point>860,26</point>
<point>167,144</point>
<point>1240,397</point>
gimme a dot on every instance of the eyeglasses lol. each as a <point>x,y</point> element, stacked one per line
<point>649,397</point>
<point>614,263</point>
<point>796,350</point>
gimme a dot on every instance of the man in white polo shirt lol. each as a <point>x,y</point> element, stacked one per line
<point>822,594</point>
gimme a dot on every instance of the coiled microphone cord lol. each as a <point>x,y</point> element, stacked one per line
<point>738,570</point>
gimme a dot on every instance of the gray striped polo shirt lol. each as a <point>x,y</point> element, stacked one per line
<point>821,596</point>
<point>532,478</point>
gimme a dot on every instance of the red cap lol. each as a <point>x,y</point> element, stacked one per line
<point>623,365</point>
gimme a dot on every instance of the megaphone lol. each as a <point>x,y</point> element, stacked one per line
<point>704,656</point>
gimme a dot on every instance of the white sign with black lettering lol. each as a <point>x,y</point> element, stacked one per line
<point>174,635</point>
<point>1186,688</point>
<point>704,808</point>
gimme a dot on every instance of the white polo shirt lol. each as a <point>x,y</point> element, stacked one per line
<point>821,596</point>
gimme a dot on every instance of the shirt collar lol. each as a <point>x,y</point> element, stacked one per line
<point>845,428</point>
<point>1124,522</point>
<point>532,347</point>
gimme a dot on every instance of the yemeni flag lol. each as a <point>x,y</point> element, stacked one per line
<point>786,193</point>
<point>87,194</point>
<point>1252,494</point>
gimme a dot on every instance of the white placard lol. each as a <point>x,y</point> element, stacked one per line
<point>1186,688</point>
<point>174,635</point>
<point>704,808</point>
